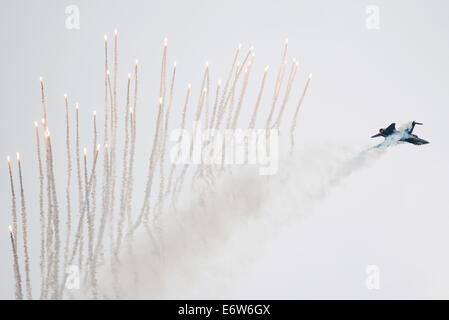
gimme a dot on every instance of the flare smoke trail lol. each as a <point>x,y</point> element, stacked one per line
<point>182,126</point>
<point>200,234</point>
<point>214,111</point>
<point>113,146</point>
<point>17,278</point>
<point>143,217</point>
<point>129,188</point>
<point>13,197</point>
<point>69,180</point>
<point>291,78</point>
<point>130,180</point>
<point>225,89</point>
<point>111,167</point>
<point>104,214</point>
<point>55,211</point>
<point>41,209</point>
<point>231,103</point>
<point>229,95</point>
<point>144,214</point>
<point>163,143</point>
<point>44,107</point>
<point>259,98</point>
<point>161,147</point>
<point>295,117</point>
<point>105,178</point>
<point>50,232</point>
<point>80,185</point>
<point>115,80</point>
<point>206,118</point>
<point>24,233</point>
<point>94,179</point>
<point>242,93</point>
<point>238,71</point>
<point>180,181</point>
<point>124,182</point>
<point>90,227</point>
<point>80,224</point>
<point>278,84</point>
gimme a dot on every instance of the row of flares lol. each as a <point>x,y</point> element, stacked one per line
<point>226,100</point>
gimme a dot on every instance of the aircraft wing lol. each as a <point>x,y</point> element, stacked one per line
<point>390,129</point>
<point>415,140</point>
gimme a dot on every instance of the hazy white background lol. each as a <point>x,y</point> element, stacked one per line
<point>393,214</point>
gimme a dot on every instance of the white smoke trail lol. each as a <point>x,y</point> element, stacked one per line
<point>130,179</point>
<point>69,180</point>
<point>106,172</point>
<point>182,126</point>
<point>77,238</point>
<point>41,211</point>
<point>154,155</point>
<point>114,123</point>
<point>159,204</point>
<point>24,232</point>
<point>214,111</point>
<point>50,232</point>
<point>124,181</point>
<point>55,211</point>
<point>206,119</point>
<point>291,78</point>
<point>13,198</point>
<point>129,188</point>
<point>44,107</point>
<point>180,181</point>
<point>230,110</point>
<point>278,84</point>
<point>17,277</point>
<point>104,215</point>
<point>259,98</point>
<point>144,212</point>
<point>90,226</point>
<point>94,178</point>
<point>221,106</point>
<point>242,93</point>
<point>80,185</point>
<point>112,168</point>
<point>295,116</point>
<point>238,215</point>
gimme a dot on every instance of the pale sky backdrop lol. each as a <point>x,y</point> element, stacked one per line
<point>393,214</point>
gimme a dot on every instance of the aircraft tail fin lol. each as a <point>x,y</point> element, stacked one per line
<point>413,126</point>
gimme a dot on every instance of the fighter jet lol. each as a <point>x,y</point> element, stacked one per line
<point>404,135</point>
